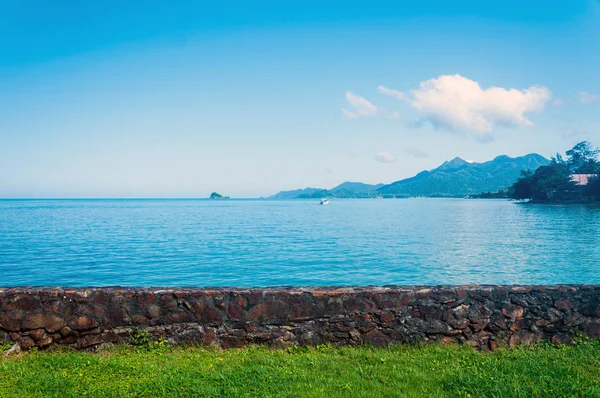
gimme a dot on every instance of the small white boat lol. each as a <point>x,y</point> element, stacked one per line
<point>324,202</point>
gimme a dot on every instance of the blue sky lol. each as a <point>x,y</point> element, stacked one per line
<point>179,99</point>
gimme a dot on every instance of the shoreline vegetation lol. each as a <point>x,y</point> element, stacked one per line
<point>573,179</point>
<point>156,369</point>
<point>570,179</point>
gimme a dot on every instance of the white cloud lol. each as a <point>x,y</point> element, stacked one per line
<point>558,102</point>
<point>385,157</point>
<point>348,115</point>
<point>394,93</point>
<point>395,115</point>
<point>586,98</point>
<point>459,104</point>
<point>416,153</point>
<point>361,106</point>
<point>573,132</point>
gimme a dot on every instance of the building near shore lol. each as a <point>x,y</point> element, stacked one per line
<point>582,179</point>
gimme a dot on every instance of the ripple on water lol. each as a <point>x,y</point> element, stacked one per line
<point>260,243</point>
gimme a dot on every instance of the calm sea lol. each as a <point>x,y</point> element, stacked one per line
<point>261,243</point>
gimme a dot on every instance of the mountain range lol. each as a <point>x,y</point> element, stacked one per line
<point>454,178</point>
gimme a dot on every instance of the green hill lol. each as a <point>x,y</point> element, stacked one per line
<point>357,188</point>
<point>459,178</point>
<point>344,190</point>
<point>298,193</point>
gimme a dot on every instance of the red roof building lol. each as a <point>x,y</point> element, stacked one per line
<point>582,179</point>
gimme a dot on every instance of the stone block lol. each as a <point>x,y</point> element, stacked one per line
<point>26,343</point>
<point>90,340</point>
<point>377,338</point>
<point>22,302</point>
<point>37,334</point>
<point>563,304</point>
<point>206,312</point>
<point>83,322</point>
<point>52,323</point>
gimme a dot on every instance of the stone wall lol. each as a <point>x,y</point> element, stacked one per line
<point>483,316</point>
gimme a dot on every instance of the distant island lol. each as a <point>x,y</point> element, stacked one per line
<point>456,178</point>
<point>216,195</point>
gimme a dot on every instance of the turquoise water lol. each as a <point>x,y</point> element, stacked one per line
<point>261,243</point>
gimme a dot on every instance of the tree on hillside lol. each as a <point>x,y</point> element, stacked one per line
<point>551,182</point>
<point>522,188</point>
<point>582,159</point>
<point>592,189</point>
<point>554,183</point>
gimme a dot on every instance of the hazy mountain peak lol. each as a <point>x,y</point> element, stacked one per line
<point>453,164</point>
<point>504,157</point>
<point>356,187</point>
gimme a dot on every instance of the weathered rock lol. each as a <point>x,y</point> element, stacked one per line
<point>523,337</point>
<point>51,322</point>
<point>26,342</point>
<point>234,311</point>
<point>449,340</point>
<point>83,322</point>
<point>90,340</point>
<point>22,302</point>
<point>168,301</point>
<point>377,338</point>
<point>592,328</point>
<point>140,320</point>
<point>234,339</point>
<point>493,345</point>
<point>146,298</point>
<point>45,341</point>
<point>13,351</point>
<point>210,337</point>
<point>37,334</point>
<point>562,338</point>
<point>110,337</point>
<point>179,317</point>
<point>268,309</point>
<point>435,326</point>
<point>152,311</point>
<point>563,304</point>
<point>513,312</point>
<point>11,320</point>
<point>207,313</point>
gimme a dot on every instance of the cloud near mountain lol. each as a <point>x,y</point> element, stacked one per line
<point>586,98</point>
<point>360,105</point>
<point>417,153</point>
<point>458,104</point>
<point>385,157</point>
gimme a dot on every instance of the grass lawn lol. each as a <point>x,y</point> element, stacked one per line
<point>397,371</point>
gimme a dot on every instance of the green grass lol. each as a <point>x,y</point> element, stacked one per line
<point>398,371</point>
